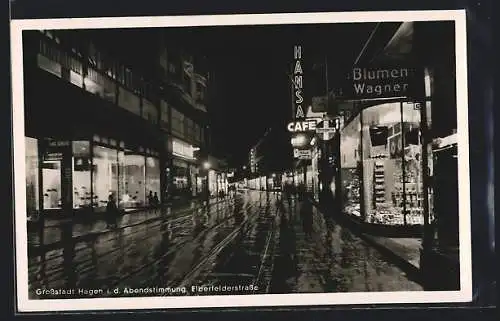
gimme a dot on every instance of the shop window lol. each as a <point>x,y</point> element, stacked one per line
<point>212,182</point>
<point>32,168</point>
<point>104,175</point>
<point>51,180</point>
<point>181,177</point>
<point>350,144</point>
<point>82,197</point>
<point>134,180</point>
<point>121,179</point>
<point>153,179</point>
<point>392,175</point>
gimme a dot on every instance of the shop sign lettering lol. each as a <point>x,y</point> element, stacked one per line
<point>53,156</point>
<point>59,143</point>
<point>302,126</point>
<point>298,81</point>
<point>302,153</point>
<point>378,82</point>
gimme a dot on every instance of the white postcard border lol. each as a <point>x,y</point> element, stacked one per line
<point>48,305</point>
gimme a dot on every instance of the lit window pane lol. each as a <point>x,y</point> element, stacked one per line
<point>134,180</point>
<point>153,180</point>
<point>31,146</point>
<point>350,145</point>
<point>51,178</point>
<point>105,175</point>
<point>82,197</point>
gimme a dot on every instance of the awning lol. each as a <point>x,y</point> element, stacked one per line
<point>399,46</point>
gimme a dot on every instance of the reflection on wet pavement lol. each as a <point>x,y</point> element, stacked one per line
<point>254,243</point>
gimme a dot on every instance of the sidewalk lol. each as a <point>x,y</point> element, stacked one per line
<point>332,258</point>
<point>176,206</point>
<point>405,252</point>
<point>55,230</point>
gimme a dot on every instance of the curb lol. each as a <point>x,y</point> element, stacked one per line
<point>101,232</point>
<point>97,217</point>
<point>412,271</point>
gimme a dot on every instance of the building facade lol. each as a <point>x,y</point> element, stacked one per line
<point>398,151</point>
<point>99,128</point>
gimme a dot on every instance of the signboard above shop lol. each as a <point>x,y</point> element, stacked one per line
<point>327,128</point>
<point>302,126</point>
<point>302,153</point>
<point>377,82</point>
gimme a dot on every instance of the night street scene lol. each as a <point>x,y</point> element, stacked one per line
<point>240,160</point>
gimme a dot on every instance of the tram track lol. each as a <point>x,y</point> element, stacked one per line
<point>178,247</point>
<point>261,273</point>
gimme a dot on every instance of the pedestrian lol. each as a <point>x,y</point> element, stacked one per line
<point>111,212</point>
<point>150,199</point>
<point>156,200</point>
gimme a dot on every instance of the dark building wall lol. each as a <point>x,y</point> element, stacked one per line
<point>275,151</point>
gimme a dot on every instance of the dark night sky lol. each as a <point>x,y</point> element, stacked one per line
<point>251,89</point>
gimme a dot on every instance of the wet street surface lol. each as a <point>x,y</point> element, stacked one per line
<point>253,243</point>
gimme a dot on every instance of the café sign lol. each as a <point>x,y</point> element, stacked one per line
<point>302,126</point>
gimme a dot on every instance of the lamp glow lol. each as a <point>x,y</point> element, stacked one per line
<point>206,165</point>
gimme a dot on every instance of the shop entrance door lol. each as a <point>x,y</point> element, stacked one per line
<point>51,181</point>
<point>57,180</point>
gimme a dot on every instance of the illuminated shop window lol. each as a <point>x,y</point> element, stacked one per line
<point>350,146</point>
<point>153,179</point>
<point>104,175</point>
<point>134,179</point>
<point>51,180</point>
<point>32,167</point>
<point>392,175</point>
<point>82,197</point>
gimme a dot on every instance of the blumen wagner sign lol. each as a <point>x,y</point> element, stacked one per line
<point>379,82</point>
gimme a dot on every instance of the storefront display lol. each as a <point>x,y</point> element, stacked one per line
<point>98,171</point>
<point>212,182</point>
<point>82,163</point>
<point>180,178</point>
<point>350,172</point>
<point>32,168</point>
<point>381,165</point>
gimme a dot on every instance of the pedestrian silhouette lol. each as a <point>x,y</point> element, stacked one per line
<point>150,198</point>
<point>156,200</point>
<point>111,212</point>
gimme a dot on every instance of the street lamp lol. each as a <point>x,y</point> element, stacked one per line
<point>206,166</point>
